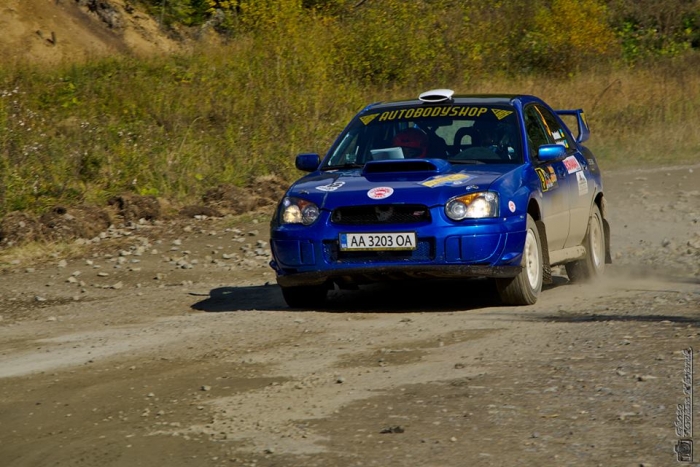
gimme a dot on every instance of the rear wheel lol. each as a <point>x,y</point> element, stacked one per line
<point>524,288</point>
<point>593,264</point>
<point>308,296</point>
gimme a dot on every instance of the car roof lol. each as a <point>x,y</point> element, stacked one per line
<point>502,99</point>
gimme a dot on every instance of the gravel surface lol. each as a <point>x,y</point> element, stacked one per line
<point>168,343</point>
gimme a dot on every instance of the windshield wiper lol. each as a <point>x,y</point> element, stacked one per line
<point>465,161</point>
<point>344,166</point>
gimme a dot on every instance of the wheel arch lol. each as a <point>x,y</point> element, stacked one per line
<point>600,201</point>
<point>533,209</point>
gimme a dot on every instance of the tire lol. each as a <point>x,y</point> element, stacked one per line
<point>593,264</point>
<point>311,296</point>
<point>524,289</point>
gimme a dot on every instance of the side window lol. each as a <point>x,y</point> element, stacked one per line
<point>346,152</point>
<point>534,126</point>
<point>554,129</point>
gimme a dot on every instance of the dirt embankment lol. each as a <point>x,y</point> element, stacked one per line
<point>55,31</point>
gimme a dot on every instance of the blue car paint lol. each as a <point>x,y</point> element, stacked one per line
<point>487,242</point>
<point>304,255</point>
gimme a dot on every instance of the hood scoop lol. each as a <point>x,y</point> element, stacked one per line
<point>408,169</point>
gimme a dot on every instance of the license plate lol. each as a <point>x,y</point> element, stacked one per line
<point>378,241</point>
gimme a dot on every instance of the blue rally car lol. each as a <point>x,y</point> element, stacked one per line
<point>444,186</point>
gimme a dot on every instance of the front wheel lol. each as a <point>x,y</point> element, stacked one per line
<point>524,288</point>
<point>593,264</point>
<point>309,296</point>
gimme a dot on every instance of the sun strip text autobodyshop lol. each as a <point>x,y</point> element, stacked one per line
<point>416,112</point>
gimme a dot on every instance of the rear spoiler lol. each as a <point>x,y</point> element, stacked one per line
<point>584,131</point>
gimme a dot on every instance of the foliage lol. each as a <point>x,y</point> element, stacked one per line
<point>393,40</point>
<point>648,28</point>
<point>295,71</point>
<point>396,41</point>
<point>543,30</point>
<point>566,34</point>
<point>174,12</point>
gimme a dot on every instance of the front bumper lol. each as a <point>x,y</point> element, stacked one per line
<point>481,248</point>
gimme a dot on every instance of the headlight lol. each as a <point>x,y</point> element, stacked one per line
<point>472,206</point>
<point>298,211</point>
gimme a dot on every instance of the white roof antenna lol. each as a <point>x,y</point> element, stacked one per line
<point>436,95</point>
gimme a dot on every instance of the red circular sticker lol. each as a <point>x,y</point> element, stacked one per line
<point>380,192</point>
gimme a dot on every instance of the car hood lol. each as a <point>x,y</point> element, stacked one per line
<point>429,182</point>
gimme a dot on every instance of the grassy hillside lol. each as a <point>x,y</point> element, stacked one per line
<point>292,77</point>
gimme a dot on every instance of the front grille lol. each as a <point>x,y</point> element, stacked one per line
<point>381,214</point>
<point>425,251</point>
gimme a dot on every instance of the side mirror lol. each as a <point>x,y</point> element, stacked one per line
<point>307,162</point>
<point>550,152</point>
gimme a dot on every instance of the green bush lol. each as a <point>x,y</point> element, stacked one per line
<point>295,71</point>
<point>567,35</point>
<point>652,28</point>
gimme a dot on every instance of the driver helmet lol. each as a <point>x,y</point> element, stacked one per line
<point>498,137</point>
<point>495,134</point>
<point>413,142</point>
<point>487,133</point>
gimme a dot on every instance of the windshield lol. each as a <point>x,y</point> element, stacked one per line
<point>461,134</point>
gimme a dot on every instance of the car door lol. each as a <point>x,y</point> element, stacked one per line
<point>578,179</point>
<point>553,175</point>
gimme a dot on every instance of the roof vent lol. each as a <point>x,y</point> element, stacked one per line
<point>437,95</point>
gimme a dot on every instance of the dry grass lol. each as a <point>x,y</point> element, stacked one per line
<point>38,253</point>
<point>177,126</point>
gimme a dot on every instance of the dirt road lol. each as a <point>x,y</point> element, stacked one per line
<point>171,346</point>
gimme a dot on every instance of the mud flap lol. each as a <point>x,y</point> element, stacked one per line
<point>606,228</point>
<point>602,205</point>
<point>546,268</point>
